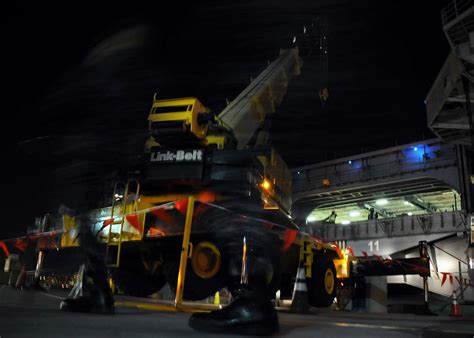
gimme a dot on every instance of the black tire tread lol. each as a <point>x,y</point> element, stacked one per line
<point>318,296</point>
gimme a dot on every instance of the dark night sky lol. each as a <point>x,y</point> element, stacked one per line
<point>78,79</point>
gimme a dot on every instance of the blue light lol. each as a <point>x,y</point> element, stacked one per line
<point>415,153</point>
<point>355,165</point>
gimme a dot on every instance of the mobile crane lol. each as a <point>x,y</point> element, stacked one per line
<point>207,181</point>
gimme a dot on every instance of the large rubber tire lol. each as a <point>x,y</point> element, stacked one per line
<point>322,287</point>
<point>195,287</point>
<point>132,277</point>
<point>138,283</point>
<point>263,255</point>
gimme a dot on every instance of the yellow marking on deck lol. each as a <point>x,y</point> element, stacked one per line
<point>148,306</point>
<point>191,308</point>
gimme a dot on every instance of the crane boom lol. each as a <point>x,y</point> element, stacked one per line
<point>246,113</point>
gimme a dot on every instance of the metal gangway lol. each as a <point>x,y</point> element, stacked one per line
<point>424,166</point>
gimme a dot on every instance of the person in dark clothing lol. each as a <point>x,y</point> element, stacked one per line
<point>371,213</point>
<point>331,218</point>
<point>91,292</point>
<point>358,294</point>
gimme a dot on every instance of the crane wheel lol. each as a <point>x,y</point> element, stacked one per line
<point>322,286</point>
<point>139,274</point>
<point>204,271</point>
<point>206,260</point>
<point>136,283</point>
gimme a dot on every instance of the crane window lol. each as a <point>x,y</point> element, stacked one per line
<point>171,109</point>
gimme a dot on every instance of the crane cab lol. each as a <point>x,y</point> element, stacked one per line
<point>173,120</point>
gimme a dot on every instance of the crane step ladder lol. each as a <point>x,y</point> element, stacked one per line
<point>124,200</point>
<point>306,257</point>
<point>178,304</point>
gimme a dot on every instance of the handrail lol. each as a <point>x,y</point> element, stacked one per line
<point>454,9</point>
<point>457,258</point>
<point>123,205</point>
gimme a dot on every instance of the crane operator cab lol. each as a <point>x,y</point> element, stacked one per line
<point>184,122</point>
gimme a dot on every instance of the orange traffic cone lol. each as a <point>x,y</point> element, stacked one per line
<point>455,307</point>
<point>299,301</point>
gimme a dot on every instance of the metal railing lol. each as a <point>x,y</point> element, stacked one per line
<point>392,162</point>
<point>427,224</point>
<point>454,9</point>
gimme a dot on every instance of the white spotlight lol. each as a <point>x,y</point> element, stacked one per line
<point>354,213</point>
<point>381,202</point>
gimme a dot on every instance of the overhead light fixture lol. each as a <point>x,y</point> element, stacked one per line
<point>381,202</point>
<point>310,218</point>
<point>354,213</point>
<point>410,214</point>
<point>345,222</point>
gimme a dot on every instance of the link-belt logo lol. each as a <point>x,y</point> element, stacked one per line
<point>177,156</point>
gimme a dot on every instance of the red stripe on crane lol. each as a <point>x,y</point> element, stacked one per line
<point>5,249</point>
